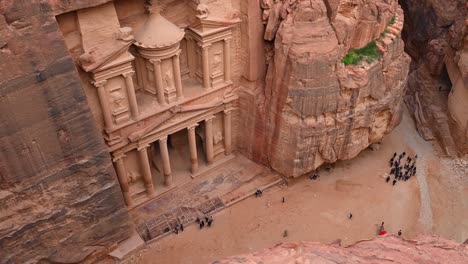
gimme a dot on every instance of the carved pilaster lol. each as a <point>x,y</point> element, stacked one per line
<point>131,95</point>
<point>103,101</point>
<point>206,65</point>
<point>158,80</point>
<point>177,74</point>
<point>227,59</point>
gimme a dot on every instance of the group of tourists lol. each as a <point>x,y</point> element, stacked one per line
<point>402,172</point>
<point>207,219</point>
<point>382,230</point>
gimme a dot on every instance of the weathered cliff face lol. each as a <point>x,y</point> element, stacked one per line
<point>423,249</point>
<point>314,109</point>
<point>435,34</point>
<point>59,197</point>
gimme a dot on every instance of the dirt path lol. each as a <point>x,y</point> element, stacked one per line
<point>318,210</point>
<point>425,152</point>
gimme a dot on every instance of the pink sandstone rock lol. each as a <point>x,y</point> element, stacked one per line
<point>388,248</point>
<point>314,109</point>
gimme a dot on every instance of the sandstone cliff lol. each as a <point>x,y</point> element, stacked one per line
<point>59,198</point>
<point>314,109</point>
<point>390,248</point>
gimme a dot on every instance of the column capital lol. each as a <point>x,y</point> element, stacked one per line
<point>191,127</point>
<point>142,146</point>
<point>227,39</point>
<point>118,156</point>
<point>204,45</point>
<point>210,118</point>
<point>98,84</point>
<point>162,139</point>
<point>177,53</point>
<point>127,74</point>
<point>227,111</point>
<point>155,61</point>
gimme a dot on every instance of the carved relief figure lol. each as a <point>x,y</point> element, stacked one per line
<point>117,99</point>
<point>202,11</point>
<point>217,62</point>
<point>218,137</point>
<point>168,79</point>
<point>133,177</point>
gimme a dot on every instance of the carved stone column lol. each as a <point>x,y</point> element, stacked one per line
<point>227,132</point>
<point>209,140</point>
<point>177,75</point>
<point>193,148</point>
<point>158,81</point>
<point>146,169</point>
<point>191,57</point>
<point>140,70</point>
<point>123,179</point>
<point>227,60</point>
<point>131,95</point>
<point>166,161</point>
<point>106,112</point>
<point>206,65</point>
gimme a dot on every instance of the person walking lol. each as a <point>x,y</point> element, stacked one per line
<point>382,229</point>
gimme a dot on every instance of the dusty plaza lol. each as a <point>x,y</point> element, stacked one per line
<point>234,131</point>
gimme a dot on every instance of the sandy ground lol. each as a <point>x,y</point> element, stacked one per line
<point>436,201</point>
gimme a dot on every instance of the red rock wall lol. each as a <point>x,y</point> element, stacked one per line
<point>59,197</point>
<point>312,109</point>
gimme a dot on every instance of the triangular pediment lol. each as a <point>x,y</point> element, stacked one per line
<point>104,55</point>
<point>118,59</point>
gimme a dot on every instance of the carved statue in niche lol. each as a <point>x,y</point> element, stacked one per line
<point>117,99</point>
<point>218,137</point>
<point>149,71</point>
<point>217,61</point>
<point>202,11</point>
<point>168,79</point>
<point>133,177</point>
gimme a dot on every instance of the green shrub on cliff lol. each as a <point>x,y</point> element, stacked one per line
<point>368,53</point>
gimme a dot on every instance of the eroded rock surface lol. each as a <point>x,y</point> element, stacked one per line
<point>314,109</point>
<point>390,248</point>
<point>59,198</point>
